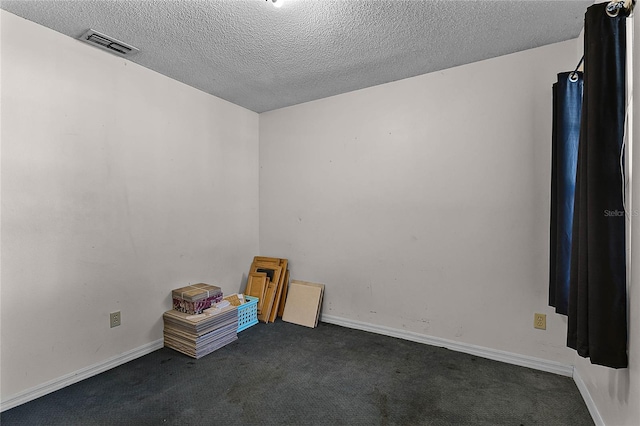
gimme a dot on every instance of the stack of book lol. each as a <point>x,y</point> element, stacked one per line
<point>201,334</point>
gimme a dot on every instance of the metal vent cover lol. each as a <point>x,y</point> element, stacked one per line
<point>108,43</point>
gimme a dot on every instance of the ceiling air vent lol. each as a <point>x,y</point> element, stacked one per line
<point>107,43</point>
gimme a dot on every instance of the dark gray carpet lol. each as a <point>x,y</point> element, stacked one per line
<point>284,374</point>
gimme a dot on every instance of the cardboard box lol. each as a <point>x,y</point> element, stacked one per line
<point>195,298</point>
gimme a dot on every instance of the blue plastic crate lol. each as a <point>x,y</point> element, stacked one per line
<point>248,313</point>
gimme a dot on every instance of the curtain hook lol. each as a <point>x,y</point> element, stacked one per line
<point>614,7</point>
<point>573,77</point>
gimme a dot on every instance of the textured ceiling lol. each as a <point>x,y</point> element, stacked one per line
<point>262,58</point>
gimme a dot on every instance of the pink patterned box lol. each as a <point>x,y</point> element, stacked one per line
<point>195,298</point>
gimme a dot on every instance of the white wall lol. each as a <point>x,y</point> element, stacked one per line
<point>118,184</point>
<point>423,204</point>
<point>616,393</point>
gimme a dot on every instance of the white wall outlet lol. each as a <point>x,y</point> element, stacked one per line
<point>114,319</point>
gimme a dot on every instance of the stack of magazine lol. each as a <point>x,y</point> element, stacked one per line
<point>201,334</point>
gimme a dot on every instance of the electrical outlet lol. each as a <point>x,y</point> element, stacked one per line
<point>114,319</point>
<point>540,321</point>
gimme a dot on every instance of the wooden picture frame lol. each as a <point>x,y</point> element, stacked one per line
<point>271,304</point>
<point>279,288</point>
<point>257,284</point>
<point>283,295</point>
<point>268,303</point>
<point>263,259</point>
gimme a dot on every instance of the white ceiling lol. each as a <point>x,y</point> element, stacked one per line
<point>262,58</point>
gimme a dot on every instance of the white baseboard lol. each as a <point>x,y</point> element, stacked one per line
<point>588,400</point>
<point>494,354</point>
<point>76,376</point>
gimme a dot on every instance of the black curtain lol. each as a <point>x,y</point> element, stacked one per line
<point>597,320</point>
<point>567,105</point>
